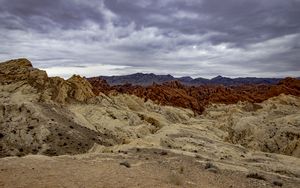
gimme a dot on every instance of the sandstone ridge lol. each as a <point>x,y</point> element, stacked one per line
<point>197,98</point>
<point>34,117</point>
<point>50,88</point>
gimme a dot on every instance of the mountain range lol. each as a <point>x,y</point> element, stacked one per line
<point>148,79</point>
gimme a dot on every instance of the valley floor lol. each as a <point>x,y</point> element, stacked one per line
<point>134,168</point>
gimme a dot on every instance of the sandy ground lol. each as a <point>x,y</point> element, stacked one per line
<point>148,168</point>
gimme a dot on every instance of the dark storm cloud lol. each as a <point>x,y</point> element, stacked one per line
<point>182,37</point>
<point>46,15</point>
<point>240,21</point>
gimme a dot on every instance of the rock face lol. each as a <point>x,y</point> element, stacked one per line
<point>73,89</point>
<point>32,117</point>
<point>56,89</point>
<point>196,98</point>
<point>271,126</point>
<point>99,86</point>
<point>21,70</point>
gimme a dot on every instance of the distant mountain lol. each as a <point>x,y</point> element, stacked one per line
<point>138,79</point>
<point>148,79</point>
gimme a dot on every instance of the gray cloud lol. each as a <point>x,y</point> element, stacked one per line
<point>44,15</point>
<point>181,37</point>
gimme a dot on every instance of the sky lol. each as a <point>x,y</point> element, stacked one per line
<point>198,38</point>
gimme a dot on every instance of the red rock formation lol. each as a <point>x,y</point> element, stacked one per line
<point>99,85</point>
<point>196,98</point>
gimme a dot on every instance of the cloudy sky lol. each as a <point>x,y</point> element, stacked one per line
<point>199,38</point>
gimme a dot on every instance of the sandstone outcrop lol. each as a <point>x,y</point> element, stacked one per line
<point>271,126</point>
<point>33,116</point>
<point>50,88</point>
<point>21,70</point>
<point>197,98</point>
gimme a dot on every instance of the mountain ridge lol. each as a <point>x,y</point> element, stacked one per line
<point>146,79</point>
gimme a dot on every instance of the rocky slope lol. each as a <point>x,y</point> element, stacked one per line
<point>31,116</point>
<point>122,138</point>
